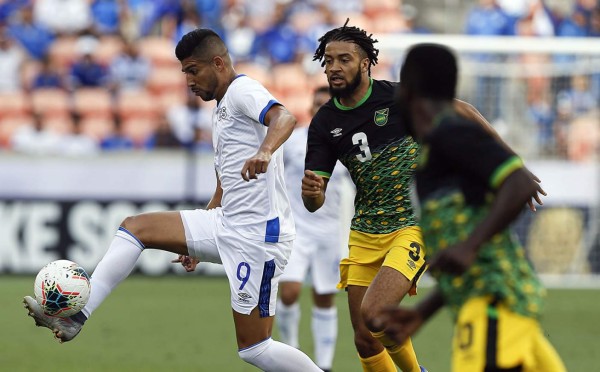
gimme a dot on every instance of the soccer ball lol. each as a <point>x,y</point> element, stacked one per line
<point>62,288</point>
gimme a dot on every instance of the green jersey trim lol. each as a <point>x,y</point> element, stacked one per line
<point>362,100</point>
<point>504,170</point>
<point>323,174</point>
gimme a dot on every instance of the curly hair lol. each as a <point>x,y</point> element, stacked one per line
<point>350,34</point>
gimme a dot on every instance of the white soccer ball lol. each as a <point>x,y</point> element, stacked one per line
<point>62,288</point>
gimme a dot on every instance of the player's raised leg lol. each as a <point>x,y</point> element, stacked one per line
<point>159,230</point>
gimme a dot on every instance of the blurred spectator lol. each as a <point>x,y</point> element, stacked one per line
<point>573,26</point>
<point>535,11</point>
<point>163,137</point>
<point>48,76</point>
<point>106,16</point>
<point>595,32</point>
<point>595,22</point>
<point>583,139</point>
<point>34,37</point>
<point>86,71</point>
<point>190,20</point>
<point>151,16</point>
<point>581,99</point>
<point>12,58</point>
<point>237,33</point>
<point>191,123</point>
<point>34,139</point>
<point>117,141</point>
<point>410,14</point>
<point>488,19</point>
<point>64,17</point>
<point>279,42</point>
<point>76,143</point>
<point>129,70</point>
<point>210,12</point>
<point>541,113</point>
<point>9,7</point>
<point>541,18</point>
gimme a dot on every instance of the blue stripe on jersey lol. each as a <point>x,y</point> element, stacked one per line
<point>272,231</point>
<point>121,228</point>
<point>263,113</point>
<point>239,75</point>
<point>264,297</point>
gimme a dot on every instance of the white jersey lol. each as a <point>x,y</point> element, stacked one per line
<point>258,209</point>
<point>327,220</point>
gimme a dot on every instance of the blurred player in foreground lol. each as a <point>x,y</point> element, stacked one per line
<point>317,249</point>
<point>470,188</point>
<point>247,227</point>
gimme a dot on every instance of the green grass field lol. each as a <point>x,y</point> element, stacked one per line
<point>184,324</point>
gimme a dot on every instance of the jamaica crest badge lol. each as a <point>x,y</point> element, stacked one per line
<point>381,117</point>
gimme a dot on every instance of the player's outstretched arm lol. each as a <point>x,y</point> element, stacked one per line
<point>512,194</point>
<point>313,190</point>
<point>469,112</point>
<point>400,323</point>
<point>281,124</point>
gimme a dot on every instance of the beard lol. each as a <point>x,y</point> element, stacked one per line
<point>349,89</point>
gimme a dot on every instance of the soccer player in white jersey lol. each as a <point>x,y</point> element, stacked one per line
<point>247,226</point>
<point>317,249</point>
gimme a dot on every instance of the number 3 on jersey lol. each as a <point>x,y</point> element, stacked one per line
<point>360,139</point>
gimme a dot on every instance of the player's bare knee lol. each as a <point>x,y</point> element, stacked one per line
<point>365,344</point>
<point>289,293</point>
<point>369,313</point>
<point>133,225</point>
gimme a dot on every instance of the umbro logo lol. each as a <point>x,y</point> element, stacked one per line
<point>244,297</point>
<point>336,132</point>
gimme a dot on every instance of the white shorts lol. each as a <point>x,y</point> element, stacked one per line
<point>252,267</point>
<point>321,257</point>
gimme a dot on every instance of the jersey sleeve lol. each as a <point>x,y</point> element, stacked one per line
<point>320,154</point>
<point>468,148</point>
<point>254,100</point>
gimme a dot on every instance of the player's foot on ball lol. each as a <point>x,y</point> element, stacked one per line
<point>64,329</point>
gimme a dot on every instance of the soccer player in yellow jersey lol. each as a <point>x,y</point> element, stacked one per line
<point>470,188</point>
<point>361,127</point>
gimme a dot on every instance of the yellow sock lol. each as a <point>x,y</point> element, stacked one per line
<point>378,363</point>
<point>403,355</point>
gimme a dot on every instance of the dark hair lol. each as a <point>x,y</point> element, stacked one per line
<point>430,71</point>
<point>349,34</point>
<point>201,42</point>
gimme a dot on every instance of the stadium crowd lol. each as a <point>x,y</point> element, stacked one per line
<point>83,76</point>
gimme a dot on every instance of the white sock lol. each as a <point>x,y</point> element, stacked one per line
<point>273,356</point>
<point>324,329</point>
<point>118,261</point>
<point>288,320</point>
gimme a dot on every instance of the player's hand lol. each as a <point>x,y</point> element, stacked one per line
<point>536,194</point>
<point>188,263</point>
<point>455,259</point>
<point>312,184</point>
<point>399,323</point>
<point>256,165</point>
